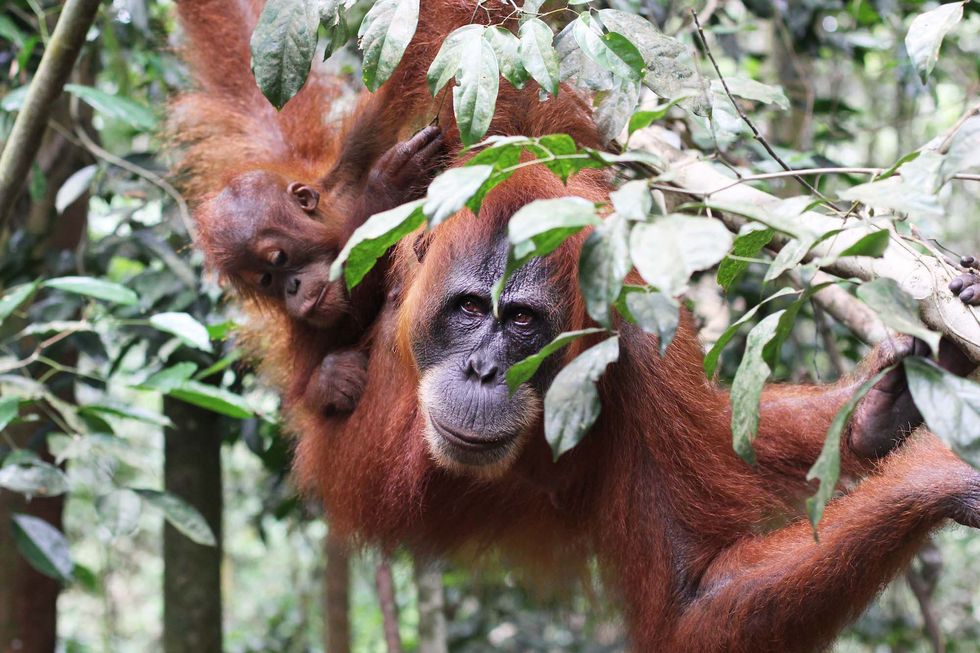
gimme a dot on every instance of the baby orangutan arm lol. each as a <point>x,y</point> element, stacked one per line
<point>338,382</point>
<point>400,175</point>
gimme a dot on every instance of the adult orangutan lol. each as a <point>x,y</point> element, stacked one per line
<point>704,552</point>
<point>278,193</point>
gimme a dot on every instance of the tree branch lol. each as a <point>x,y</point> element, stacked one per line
<point>924,277</point>
<point>49,80</point>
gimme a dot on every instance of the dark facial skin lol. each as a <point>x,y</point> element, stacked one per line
<point>473,420</point>
<point>475,425</point>
<point>282,248</point>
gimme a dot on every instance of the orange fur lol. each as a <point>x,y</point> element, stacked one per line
<point>705,553</point>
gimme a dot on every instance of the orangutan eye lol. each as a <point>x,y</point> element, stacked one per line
<point>279,258</point>
<point>472,306</point>
<point>265,280</point>
<point>522,318</point>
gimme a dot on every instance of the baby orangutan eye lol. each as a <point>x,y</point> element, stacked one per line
<point>265,280</point>
<point>279,258</point>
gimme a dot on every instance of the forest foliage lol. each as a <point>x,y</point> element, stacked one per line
<point>858,120</point>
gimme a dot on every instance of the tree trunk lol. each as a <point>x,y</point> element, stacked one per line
<point>337,595</point>
<point>432,615</point>
<point>385,584</point>
<point>192,572</point>
<point>28,599</point>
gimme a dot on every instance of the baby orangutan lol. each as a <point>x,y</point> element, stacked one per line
<point>274,238</point>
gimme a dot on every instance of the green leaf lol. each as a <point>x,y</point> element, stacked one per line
<point>784,216</point>
<point>826,469</point>
<point>626,52</point>
<point>283,45</point>
<point>926,33</point>
<point>371,240</point>
<point>770,353</point>
<point>34,478</point>
<point>114,106</point>
<point>172,377</point>
<point>611,51</point>
<point>446,64</point>
<point>571,404</point>
<point>65,447</point>
<point>74,187</point>
<point>671,71</point>
<point>450,191</point>
<point>670,249</point>
<point>897,309</point>
<point>750,240</point>
<point>633,200</point>
<point>523,370</point>
<point>181,515</point>
<point>213,398</point>
<point>220,330</point>
<point>14,100</point>
<point>711,358</point>
<point>38,184</point>
<point>747,387</point>
<point>97,288</point>
<point>603,265</point>
<point>117,408</point>
<point>10,32</point>
<point>334,20</point>
<point>570,160</point>
<point>17,297</point>
<point>43,546</point>
<point>615,106</point>
<point>642,119</point>
<point>191,332</point>
<point>9,408</point>
<point>896,194</point>
<point>874,244</point>
<point>950,405</point>
<point>475,95</point>
<point>119,511</point>
<point>219,365</point>
<point>757,92</point>
<point>538,55</point>
<point>538,228</point>
<point>506,46</point>
<point>655,313</point>
<point>964,150</point>
<point>385,33</point>
<point>338,34</point>
<point>530,8</point>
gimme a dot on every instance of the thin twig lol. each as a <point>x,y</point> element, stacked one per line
<point>139,171</point>
<point>755,131</point>
<point>825,171</point>
<point>948,138</point>
<point>49,80</point>
<point>36,354</point>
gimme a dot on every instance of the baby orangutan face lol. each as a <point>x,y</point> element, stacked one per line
<point>270,240</point>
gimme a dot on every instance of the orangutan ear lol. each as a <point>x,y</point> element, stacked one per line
<point>306,196</point>
<point>421,245</point>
